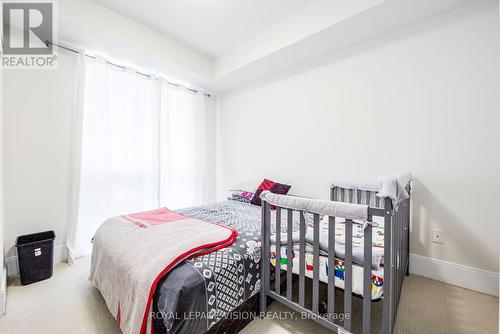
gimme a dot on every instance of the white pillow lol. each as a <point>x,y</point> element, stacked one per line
<point>248,186</point>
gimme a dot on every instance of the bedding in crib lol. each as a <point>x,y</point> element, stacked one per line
<point>324,271</point>
<point>357,271</point>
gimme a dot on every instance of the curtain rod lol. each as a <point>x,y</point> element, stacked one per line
<point>146,75</point>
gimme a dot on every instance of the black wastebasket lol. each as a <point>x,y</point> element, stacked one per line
<point>35,253</point>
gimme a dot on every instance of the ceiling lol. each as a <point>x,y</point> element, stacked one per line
<point>246,42</point>
<point>211,27</point>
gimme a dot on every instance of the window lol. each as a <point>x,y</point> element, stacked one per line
<point>144,144</point>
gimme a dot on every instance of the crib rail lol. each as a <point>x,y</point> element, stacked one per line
<point>357,196</point>
<point>396,225</point>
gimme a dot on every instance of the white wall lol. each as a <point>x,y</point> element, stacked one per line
<point>424,100</point>
<point>37,107</point>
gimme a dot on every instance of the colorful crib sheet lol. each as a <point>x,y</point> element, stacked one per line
<point>357,270</point>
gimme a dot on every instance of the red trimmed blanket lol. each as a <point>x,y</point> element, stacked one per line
<point>131,253</point>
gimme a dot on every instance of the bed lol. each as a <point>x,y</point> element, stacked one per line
<point>201,294</point>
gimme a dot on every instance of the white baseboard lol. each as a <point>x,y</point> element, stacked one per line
<point>455,274</point>
<point>60,255</point>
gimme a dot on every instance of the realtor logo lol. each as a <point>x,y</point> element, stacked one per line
<point>26,28</point>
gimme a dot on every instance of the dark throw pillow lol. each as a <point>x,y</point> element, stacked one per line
<point>276,188</point>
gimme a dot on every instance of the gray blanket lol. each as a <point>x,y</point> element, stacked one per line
<point>201,291</point>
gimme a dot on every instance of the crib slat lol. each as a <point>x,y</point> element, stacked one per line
<point>289,252</point>
<point>342,194</point>
<point>266,228</point>
<point>351,196</point>
<point>406,203</point>
<point>407,224</point>
<point>396,252</point>
<point>348,274</point>
<point>315,305</point>
<point>277,267</point>
<point>388,292</point>
<point>367,279</point>
<point>368,196</point>
<point>331,267</point>
<point>302,263</point>
<point>399,253</point>
<point>358,194</point>
<point>401,250</point>
<point>397,271</point>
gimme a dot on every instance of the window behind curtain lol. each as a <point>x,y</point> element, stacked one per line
<point>119,148</point>
<point>144,145</point>
<point>187,142</point>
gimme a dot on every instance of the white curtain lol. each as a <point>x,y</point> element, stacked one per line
<point>143,144</point>
<point>187,161</point>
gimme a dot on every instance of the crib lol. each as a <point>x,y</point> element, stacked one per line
<point>343,202</point>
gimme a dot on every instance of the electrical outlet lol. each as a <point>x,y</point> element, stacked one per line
<point>437,236</point>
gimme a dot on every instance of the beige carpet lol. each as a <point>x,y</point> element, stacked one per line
<point>67,303</point>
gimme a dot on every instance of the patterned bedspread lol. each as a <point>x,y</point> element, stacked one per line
<point>201,291</point>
